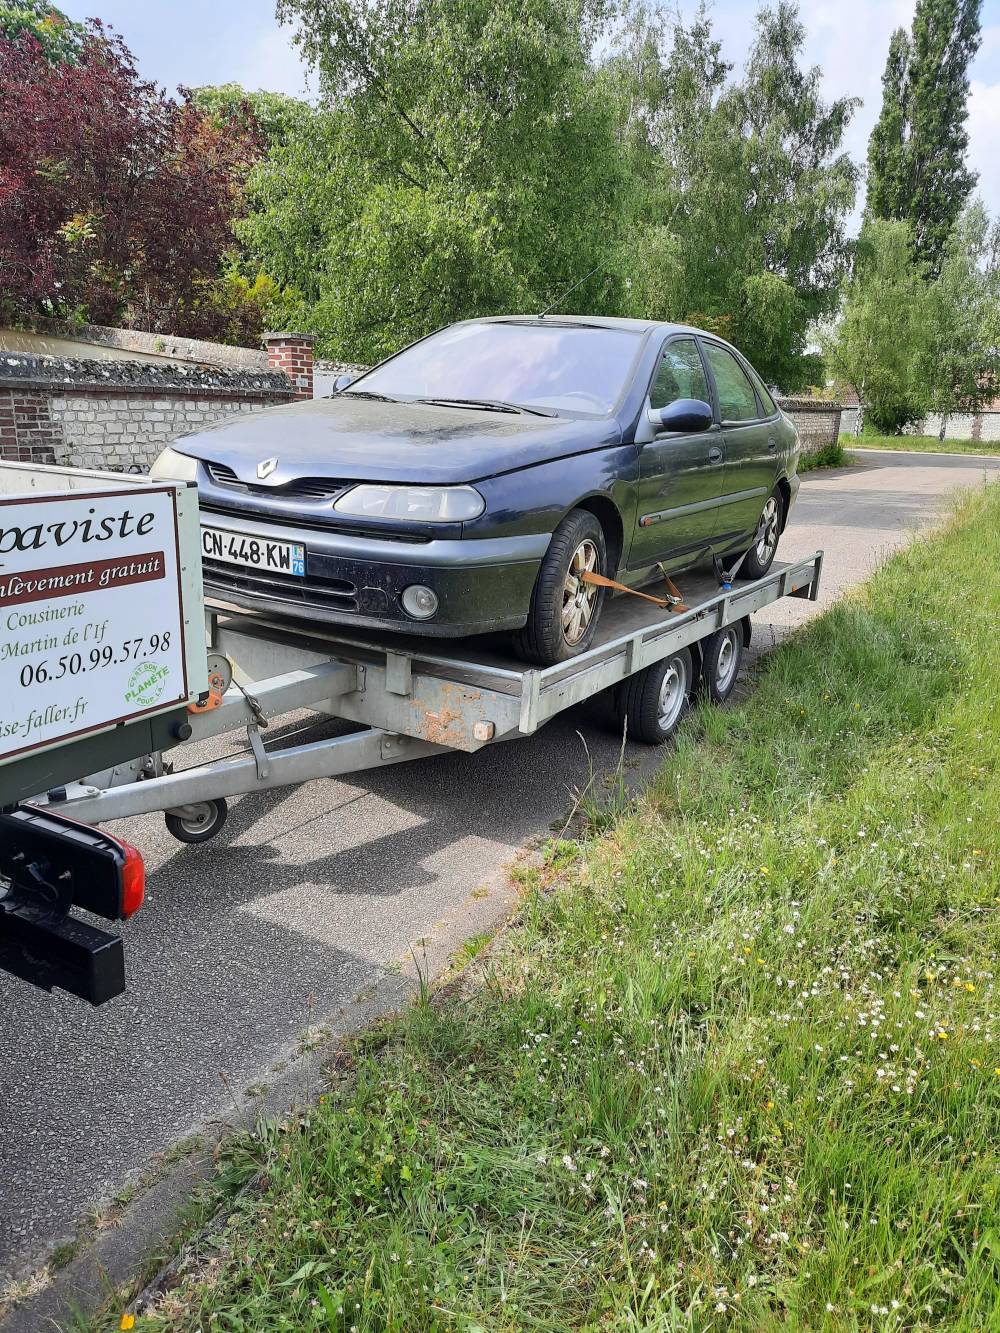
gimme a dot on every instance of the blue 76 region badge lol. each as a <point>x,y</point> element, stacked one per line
<point>146,683</point>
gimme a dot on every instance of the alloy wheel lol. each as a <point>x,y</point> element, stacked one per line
<point>767,531</point>
<point>579,598</point>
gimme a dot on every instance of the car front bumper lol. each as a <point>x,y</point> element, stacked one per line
<point>482,585</point>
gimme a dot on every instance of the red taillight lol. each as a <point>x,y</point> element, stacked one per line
<point>133,879</point>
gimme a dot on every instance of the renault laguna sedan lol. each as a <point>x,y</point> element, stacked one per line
<point>474,481</point>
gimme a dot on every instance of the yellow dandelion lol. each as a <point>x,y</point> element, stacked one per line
<point>127,1321</point>
<point>764,870</point>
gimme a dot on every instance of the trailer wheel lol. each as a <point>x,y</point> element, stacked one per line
<point>653,701</point>
<point>721,657</point>
<point>199,821</point>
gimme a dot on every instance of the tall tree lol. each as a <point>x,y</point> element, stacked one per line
<point>917,170</point>
<point>748,236</point>
<point>962,363</point>
<point>466,165</point>
<point>879,346</point>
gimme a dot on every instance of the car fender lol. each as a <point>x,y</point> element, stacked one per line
<point>537,499</point>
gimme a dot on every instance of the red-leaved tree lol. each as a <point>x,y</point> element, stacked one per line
<point>116,202</point>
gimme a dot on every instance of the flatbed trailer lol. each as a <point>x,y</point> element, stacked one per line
<point>410,698</point>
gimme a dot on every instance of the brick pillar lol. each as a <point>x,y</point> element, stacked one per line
<point>292,353</point>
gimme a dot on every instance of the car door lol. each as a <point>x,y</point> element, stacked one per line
<point>750,444</point>
<point>680,475</point>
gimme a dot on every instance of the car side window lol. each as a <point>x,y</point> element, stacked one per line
<point>680,374</point>
<point>763,393</point>
<point>737,400</point>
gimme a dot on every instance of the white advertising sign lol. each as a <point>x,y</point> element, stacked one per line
<point>91,622</point>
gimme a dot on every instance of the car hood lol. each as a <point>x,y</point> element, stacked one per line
<point>362,439</point>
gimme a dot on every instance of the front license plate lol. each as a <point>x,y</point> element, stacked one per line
<point>236,548</point>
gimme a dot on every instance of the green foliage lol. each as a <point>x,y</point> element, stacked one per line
<point>880,345</point>
<point>746,230</point>
<point>470,158</point>
<point>274,115</point>
<point>830,455</point>
<point>916,158</point>
<point>459,164</point>
<point>61,40</point>
<point>962,365</point>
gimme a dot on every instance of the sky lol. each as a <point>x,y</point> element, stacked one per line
<point>195,42</point>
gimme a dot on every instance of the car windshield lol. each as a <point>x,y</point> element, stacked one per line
<point>546,366</point>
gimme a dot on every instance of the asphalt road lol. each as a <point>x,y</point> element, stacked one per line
<point>311,895</point>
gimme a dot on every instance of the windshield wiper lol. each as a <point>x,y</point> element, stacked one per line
<point>368,393</point>
<point>487,405</point>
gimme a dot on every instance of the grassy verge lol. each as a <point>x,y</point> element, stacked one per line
<point>737,1066</point>
<point>831,455</point>
<point>923,444</point>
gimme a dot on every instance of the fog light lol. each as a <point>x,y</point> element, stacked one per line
<point>419,602</point>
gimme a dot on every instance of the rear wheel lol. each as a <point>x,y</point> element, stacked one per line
<point>564,608</point>
<point>761,554</point>
<point>721,656</point>
<point>652,702</point>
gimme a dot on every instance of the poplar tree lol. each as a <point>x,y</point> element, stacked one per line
<point>917,171</point>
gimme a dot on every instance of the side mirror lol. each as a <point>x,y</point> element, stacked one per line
<point>342,381</point>
<point>689,415</point>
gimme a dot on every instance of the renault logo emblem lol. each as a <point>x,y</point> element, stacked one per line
<point>265,468</point>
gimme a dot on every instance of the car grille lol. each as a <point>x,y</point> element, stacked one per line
<point>301,488</point>
<point>319,593</point>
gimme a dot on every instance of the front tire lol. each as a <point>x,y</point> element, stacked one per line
<point>761,555</point>
<point>564,611</point>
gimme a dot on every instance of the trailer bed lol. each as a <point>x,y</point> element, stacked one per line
<point>479,680</point>
<point>408,698</point>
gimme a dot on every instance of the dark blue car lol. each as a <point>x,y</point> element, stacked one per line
<point>467,484</point>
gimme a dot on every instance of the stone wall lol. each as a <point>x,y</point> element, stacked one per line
<point>98,342</point>
<point>117,415</point>
<point>980,427</point>
<point>818,422</point>
<point>983,427</point>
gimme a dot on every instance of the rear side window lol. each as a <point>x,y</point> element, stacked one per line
<point>680,374</point>
<point>737,400</point>
<point>763,394</point>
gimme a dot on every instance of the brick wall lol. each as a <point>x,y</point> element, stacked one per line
<point>818,422</point>
<point>28,433</point>
<point>291,354</point>
<point>117,414</point>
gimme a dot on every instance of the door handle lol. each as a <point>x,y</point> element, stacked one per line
<point>715,454</point>
<point>772,444</point>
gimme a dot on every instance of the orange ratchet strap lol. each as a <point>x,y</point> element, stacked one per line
<point>671,603</point>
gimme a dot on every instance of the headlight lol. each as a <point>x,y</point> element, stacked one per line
<point>414,504</point>
<point>173,466</point>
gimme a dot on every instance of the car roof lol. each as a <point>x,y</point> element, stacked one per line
<point>591,321</point>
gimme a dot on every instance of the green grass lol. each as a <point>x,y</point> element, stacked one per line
<point>735,1069</point>
<point>924,444</point>
<point>831,455</point>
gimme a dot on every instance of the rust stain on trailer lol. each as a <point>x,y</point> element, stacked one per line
<point>446,724</point>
